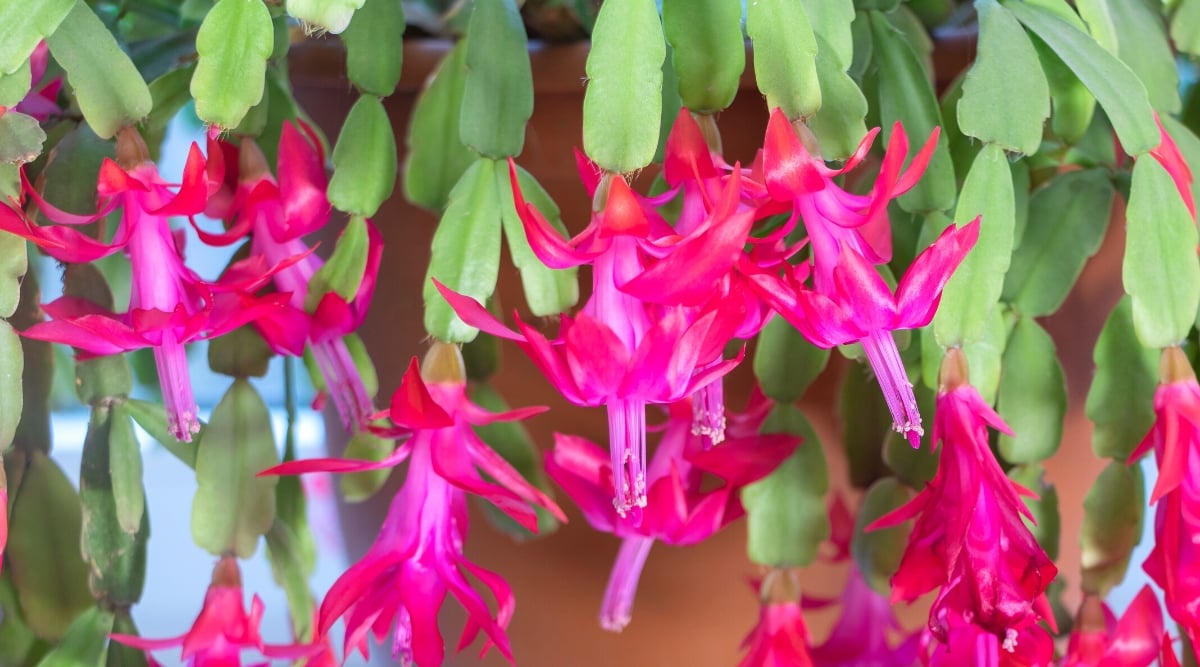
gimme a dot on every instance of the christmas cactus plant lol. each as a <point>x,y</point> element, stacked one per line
<point>924,226</point>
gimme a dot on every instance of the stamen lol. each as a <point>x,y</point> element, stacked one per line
<point>627,447</point>
<point>617,608</point>
<point>885,361</point>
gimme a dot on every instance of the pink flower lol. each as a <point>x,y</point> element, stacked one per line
<point>862,308</point>
<point>619,351</point>
<point>781,637</point>
<point>681,509</point>
<point>835,219</point>
<point>400,584</point>
<point>169,305</point>
<point>1174,564</point>
<point>41,102</point>
<point>969,537</point>
<point>278,214</point>
<point>223,629</point>
<point>860,637</point>
<point>1100,640</point>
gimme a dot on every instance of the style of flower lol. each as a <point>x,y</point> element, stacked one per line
<point>970,539</point>
<point>169,305</point>
<point>619,351</point>
<point>278,214</point>
<point>223,629</point>
<point>862,308</point>
<point>681,510</point>
<point>781,637</point>
<point>1174,563</point>
<point>400,584</point>
<point>1100,640</point>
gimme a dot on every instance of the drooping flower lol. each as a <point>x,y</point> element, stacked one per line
<point>169,305</point>
<point>400,584</point>
<point>781,637</point>
<point>1174,563</point>
<point>867,632</point>
<point>860,638</point>
<point>970,539</point>
<point>835,219</point>
<point>619,351</point>
<point>278,214</point>
<point>1100,640</point>
<point>862,308</point>
<point>681,509</point>
<point>41,102</point>
<point>224,629</point>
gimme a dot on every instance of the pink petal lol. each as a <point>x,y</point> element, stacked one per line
<point>788,167</point>
<point>919,290</point>
<point>93,334</point>
<point>552,249</point>
<point>413,407</point>
<point>687,156</point>
<point>583,471</point>
<point>741,461</point>
<point>623,214</point>
<point>863,291</point>
<point>595,356</point>
<point>473,313</point>
<point>193,192</point>
<point>302,183</point>
<point>1136,640</point>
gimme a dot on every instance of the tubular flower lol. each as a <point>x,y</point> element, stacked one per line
<point>1174,564</point>
<point>1100,640</point>
<point>679,511</point>
<point>860,637</point>
<point>781,637</point>
<point>970,540</point>
<point>619,351</point>
<point>713,195</point>
<point>278,214</point>
<point>834,218</point>
<point>862,308</point>
<point>223,629</point>
<point>400,584</point>
<point>169,305</point>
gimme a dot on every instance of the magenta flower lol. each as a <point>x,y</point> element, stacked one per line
<point>835,219</point>
<point>40,102</point>
<point>862,308</point>
<point>400,584</point>
<point>681,509</point>
<point>1174,564</point>
<point>278,214</point>
<point>619,351</point>
<point>866,625</point>
<point>861,636</point>
<point>169,305</point>
<point>781,637</point>
<point>1100,640</point>
<point>223,629</point>
<point>969,537</point>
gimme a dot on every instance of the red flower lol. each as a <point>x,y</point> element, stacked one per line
<point>1100,640</point>
<point>169,305</point>
<point>278,214</point>
<point>781,637</point>
<point>1174,564</point>
<point>681,509</point>
<point>398,587</point>
<point>223,629</point>
<point>969,537</point>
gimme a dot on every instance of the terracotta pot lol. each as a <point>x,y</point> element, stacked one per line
<point>694,605</point>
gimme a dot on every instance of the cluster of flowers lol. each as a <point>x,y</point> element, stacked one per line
<point>668,296</point>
